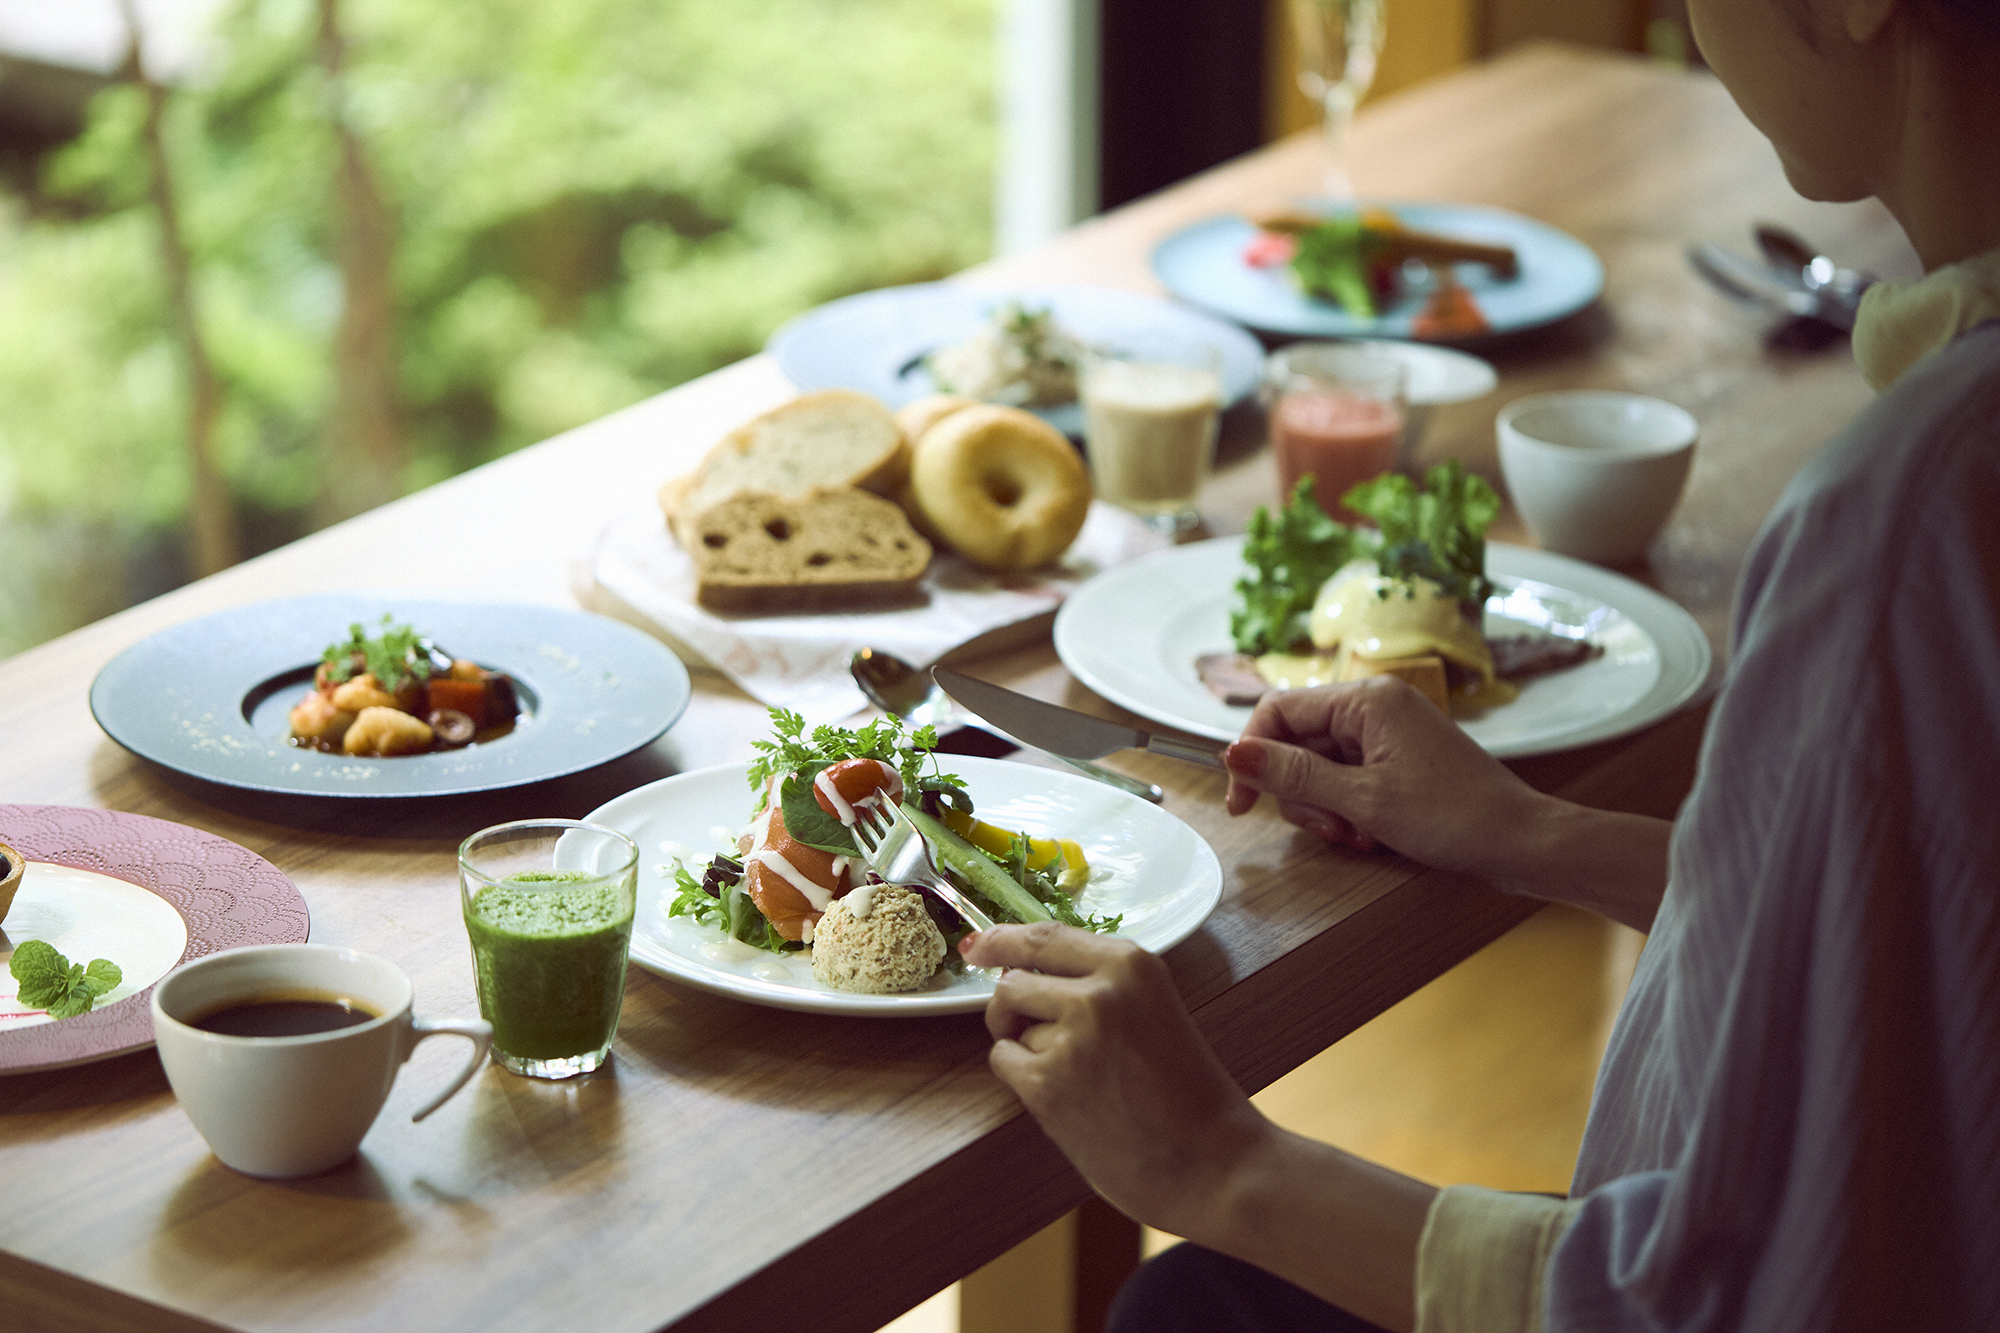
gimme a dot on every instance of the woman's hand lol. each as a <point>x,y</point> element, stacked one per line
<point>1090,1032</point>
<point>1373,762</point>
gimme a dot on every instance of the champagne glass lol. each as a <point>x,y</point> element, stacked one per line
<point>1339,41</point>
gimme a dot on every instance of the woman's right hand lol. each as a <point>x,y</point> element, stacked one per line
<point>1374,763</point>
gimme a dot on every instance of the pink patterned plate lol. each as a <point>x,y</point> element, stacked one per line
<point>145,893</point>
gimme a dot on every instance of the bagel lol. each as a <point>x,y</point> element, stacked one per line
<point>1000,484</point>
<point>915,418</point>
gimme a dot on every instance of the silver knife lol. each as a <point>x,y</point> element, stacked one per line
<point>1064,731</point>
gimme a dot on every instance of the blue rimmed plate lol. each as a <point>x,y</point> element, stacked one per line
<point>876,342</point>
<point>211,697</point>
<point>1559,275</point>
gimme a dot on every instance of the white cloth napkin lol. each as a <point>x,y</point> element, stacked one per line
<point>800,661</point>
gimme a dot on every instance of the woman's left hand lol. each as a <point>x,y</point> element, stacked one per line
<point>1090,1032</point>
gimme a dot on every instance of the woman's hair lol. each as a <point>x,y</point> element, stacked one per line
<point>1982,16</point>
<point>1981,13</point>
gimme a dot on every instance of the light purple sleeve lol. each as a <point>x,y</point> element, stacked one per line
<point>1797,1124</point>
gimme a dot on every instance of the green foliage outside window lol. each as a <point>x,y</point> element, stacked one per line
<point>592,201</point>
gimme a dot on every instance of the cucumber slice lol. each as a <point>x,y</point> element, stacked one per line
<point>976,868</point>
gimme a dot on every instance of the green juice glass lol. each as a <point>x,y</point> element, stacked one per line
<point>548,906</point>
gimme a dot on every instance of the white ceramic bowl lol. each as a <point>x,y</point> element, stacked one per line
<point>1595,473</point>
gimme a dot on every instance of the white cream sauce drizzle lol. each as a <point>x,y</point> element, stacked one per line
<point>861,902</point>
<point>791,874</point>
<point>728,951</point>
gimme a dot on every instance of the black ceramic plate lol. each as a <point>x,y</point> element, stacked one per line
<point>212,697</point>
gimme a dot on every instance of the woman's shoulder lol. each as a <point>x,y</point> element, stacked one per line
<point>1917,464</point>
<point>1942,417</point>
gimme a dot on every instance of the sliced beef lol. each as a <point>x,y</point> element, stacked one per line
<point>1519,656</point>
<point>1232,677</point>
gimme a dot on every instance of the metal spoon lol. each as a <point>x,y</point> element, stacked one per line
<point>894,686</point>
<point>1790,254</point>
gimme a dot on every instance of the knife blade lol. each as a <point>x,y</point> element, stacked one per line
<point>1064,731</point>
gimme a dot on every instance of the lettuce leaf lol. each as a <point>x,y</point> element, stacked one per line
<point>1438,532</point>
<point>1290,553</point>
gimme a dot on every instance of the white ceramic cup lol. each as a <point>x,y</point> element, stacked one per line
<point>293,1106</point>
<point>1595,473</point>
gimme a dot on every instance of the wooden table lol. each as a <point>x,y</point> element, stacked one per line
<point>741,1167</point>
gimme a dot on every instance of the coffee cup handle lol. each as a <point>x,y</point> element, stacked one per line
<point>478,1031</point>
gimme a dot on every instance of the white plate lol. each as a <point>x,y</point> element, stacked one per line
<point>86,915</point>
<point>1133,634</point>
<point>1144,862</point>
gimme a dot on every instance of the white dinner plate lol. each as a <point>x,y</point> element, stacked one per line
<point>1145,863</point>
<point>1133,635</point>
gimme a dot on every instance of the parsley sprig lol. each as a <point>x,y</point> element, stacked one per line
<point>50,981</point>
<point>398,651</point>
<point>882,739</point>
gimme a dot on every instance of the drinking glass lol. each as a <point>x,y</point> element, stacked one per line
<point>1337,411</point>
<point>548,906</point>
<point>1339,42</point>
<point>1151,407</point>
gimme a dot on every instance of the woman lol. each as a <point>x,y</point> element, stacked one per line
<point>1797,1123</point>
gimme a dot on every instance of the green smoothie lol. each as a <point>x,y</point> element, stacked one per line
<point>550,960</point>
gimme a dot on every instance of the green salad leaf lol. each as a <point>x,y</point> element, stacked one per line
<point>1438,532</point>
<point>732,911</point>
<point>1332,261</point>
<point>882,739</point>
<point>804,819</point>
<point>398,651</point>
<point>50,981</point>
<point>1290,553</point>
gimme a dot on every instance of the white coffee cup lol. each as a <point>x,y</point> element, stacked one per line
<point>1595,473</point>
<point>293,1106</point>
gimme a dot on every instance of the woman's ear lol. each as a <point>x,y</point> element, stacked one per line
<point>1865,19</point>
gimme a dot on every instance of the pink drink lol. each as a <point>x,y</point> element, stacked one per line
<point>1341,437</point>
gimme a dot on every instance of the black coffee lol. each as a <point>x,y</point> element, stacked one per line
<point>283,1017</point>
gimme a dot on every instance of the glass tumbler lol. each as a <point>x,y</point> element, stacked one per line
<point>548,906</point>
<point>1151,409</point>
<point>1338,412</point>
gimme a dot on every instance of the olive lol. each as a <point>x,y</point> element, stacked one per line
<point>453,728</point>
<point>721,871</point>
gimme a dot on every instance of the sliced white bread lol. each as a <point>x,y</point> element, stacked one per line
<point>833,547</point>
<point>834,437</point>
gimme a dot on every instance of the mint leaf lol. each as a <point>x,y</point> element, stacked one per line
<point>102,976</point>
<point>50,981</point>
<point>42,972</point>
<point>77,997</point>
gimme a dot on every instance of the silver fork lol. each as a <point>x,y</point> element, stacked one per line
<point>898,853</point>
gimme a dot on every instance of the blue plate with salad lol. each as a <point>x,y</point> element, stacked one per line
<point>1088,854</point>
<point>1432,272</point>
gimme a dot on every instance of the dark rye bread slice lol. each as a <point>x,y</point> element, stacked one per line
<point>831,548</point>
